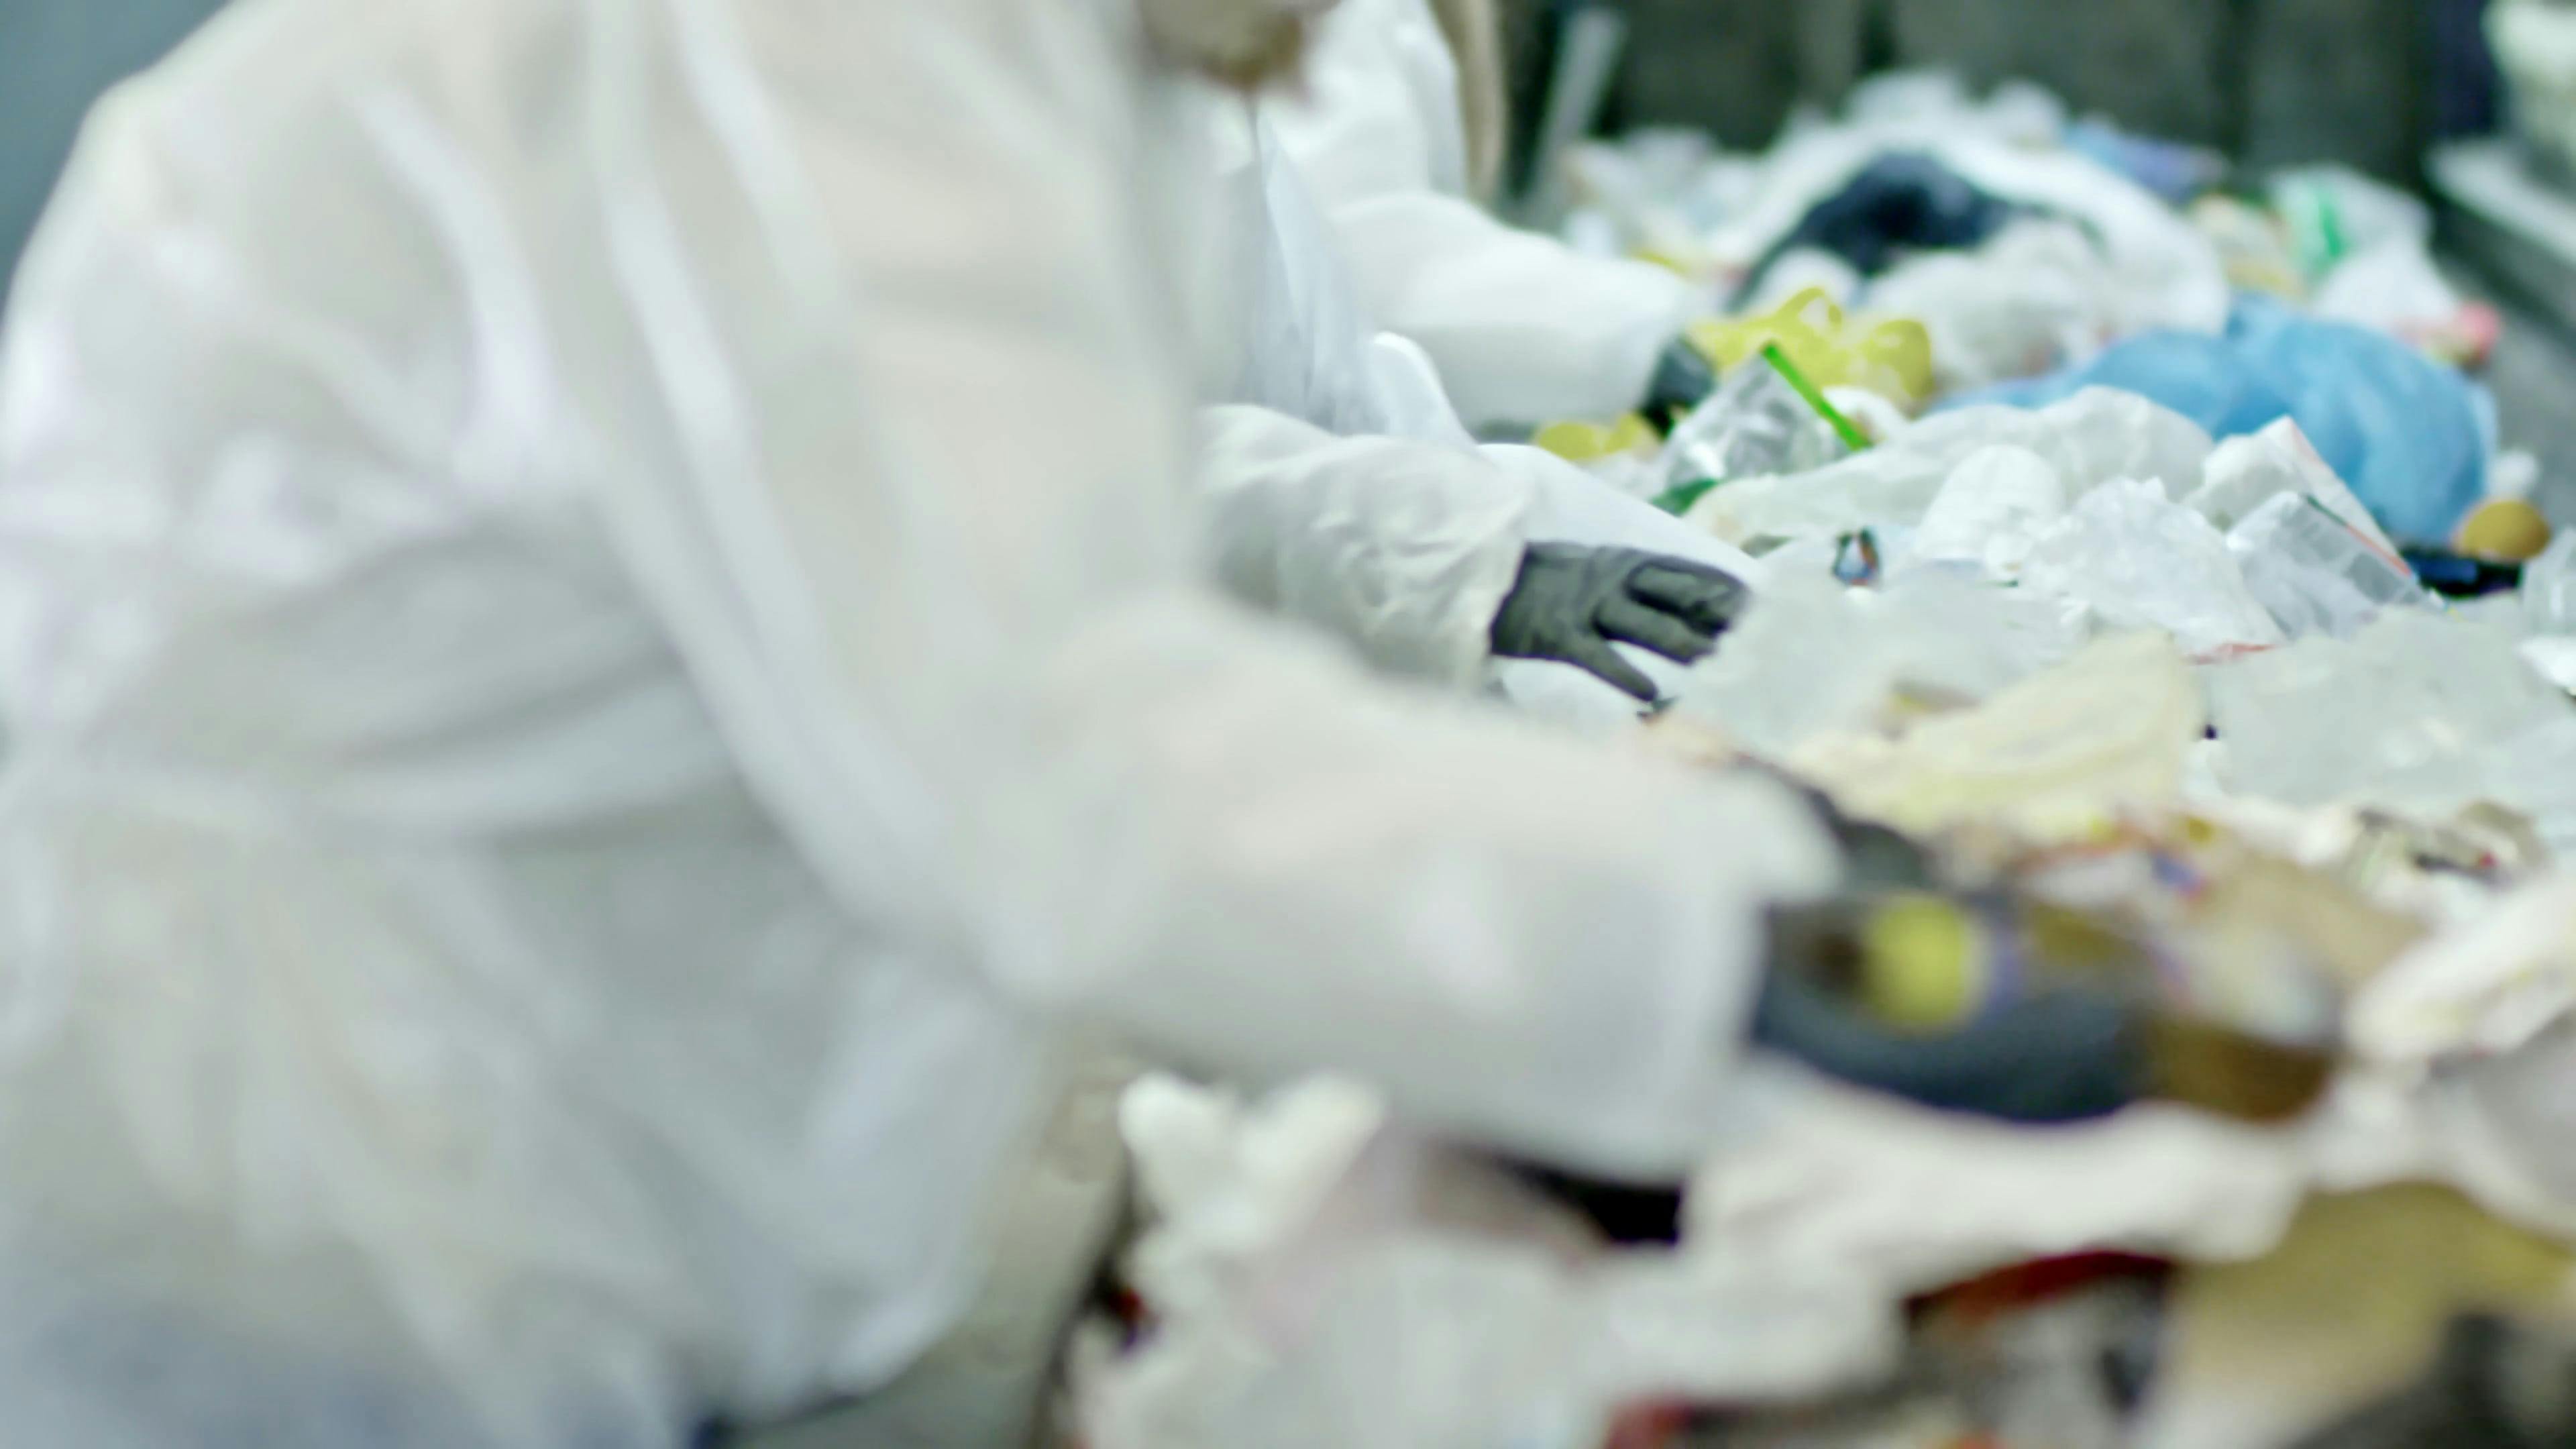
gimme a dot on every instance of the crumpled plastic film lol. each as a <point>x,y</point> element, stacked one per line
<point>1814,658</point>
<point>2419,710</point>
<point>1625,454</point>
<point>1754,425</point>
<point>2134,559</point>
<point>1918,1199</point>
<point>2335,212</point>
<point>2089,439</point>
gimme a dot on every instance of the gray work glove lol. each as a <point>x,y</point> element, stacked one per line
<point>1572,601</point>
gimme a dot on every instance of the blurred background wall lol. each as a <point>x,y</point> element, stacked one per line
<point>2370,82</point>
<point>55,56</point>
<point>2364,81</point>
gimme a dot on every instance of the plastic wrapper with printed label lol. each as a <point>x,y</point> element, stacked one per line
<point>2314,572</point>
<point>2243,473</point>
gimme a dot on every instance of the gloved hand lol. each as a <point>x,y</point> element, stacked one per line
<point>1572,601</point>
<point>1682,380</point>
<point>1972,1029</point>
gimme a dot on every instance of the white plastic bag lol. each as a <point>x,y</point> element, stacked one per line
<point>2033,299</point>
<point>1319,1279</point>
<point>2089,439</point>
<point>1918,1199</point>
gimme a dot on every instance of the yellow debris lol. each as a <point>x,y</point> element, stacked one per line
<point>1888,356</point>
<point>2507,530</point>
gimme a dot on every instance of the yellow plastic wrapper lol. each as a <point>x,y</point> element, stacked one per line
<point>1584,443</point>
<point>1889,356</point>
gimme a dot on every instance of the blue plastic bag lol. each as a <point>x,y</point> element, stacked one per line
<point>2408,433</point>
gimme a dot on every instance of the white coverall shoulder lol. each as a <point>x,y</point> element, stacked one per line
<point>1523,328</point>
<point>603,632</point>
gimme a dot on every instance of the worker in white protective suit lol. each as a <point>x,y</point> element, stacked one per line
<point>602,628</point>
<point>1345,491</point>
<point>1398,129</point>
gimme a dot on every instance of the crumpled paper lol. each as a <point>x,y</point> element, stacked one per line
<point>1317,1277</point>
<point>2052,757</point>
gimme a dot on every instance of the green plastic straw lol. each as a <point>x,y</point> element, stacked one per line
<point>1679,499</point>
<point>1789,373</point>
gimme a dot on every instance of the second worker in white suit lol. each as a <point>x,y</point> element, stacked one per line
<point>1398,129</point>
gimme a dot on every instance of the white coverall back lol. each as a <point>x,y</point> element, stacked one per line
<point>605,636</point>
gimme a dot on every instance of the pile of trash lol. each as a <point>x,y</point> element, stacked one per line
<point>2133,535</point>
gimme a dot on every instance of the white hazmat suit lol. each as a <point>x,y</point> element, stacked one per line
<point>1344,490</point>
<point>602,624</point>
<point>1523,328</point>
